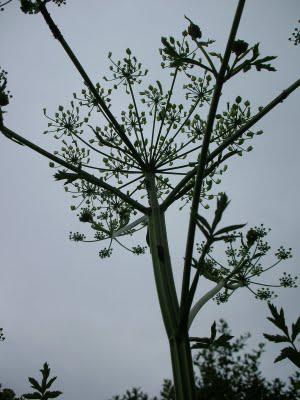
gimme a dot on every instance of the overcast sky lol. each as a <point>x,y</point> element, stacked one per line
<point>97,322</point>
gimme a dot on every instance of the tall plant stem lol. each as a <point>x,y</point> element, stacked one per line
<point>203,158</point>
<point>180,350</point>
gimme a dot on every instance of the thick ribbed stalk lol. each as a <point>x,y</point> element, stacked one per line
<point>182,366</point>
<point>180,350</point>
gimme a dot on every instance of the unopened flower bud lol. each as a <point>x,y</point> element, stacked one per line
<point>239,47</point>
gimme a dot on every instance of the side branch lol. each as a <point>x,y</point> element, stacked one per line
<point>203,159</point>
<point>80,173</point>
<point>204,299</point>
<point>58,35</point>
<point>279,99</point>
<point>182,187</point>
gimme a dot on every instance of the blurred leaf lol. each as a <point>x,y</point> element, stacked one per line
<point>276,338</point>
<point>213,331</point>
<point>222,203</point>
<point>223,340</point>
<point>290,353</point>
<point>35,384</point>
<point>279,319</point>
<point>295,329</point>
<point>230,228</point>
<point>51,395</point>
<point>34,395</point>
<point>204,222</point>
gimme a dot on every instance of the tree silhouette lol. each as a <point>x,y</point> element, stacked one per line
<point>42,389</point>
<point>126,171</point>
<point>228,372</point>
<point>223,371</point>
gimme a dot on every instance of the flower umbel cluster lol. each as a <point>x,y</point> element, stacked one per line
<point>245,253</point>
<point>153,134</point>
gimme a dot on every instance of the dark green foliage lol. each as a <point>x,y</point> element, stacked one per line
<point>4,93</point>
<point>193,30</point>
<point>209,231</point>
<point>290,352</point>
<point>229,373</point>
<point>239,47</point>
<point>34,6</point>
<point>42,391</point>
<point>205,343</point>
<point>8,394</point>
<point>134,394</point>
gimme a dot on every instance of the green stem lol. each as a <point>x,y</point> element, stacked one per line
<point>180,350</point>
<point>182,366</point>
<point>161,260</point>
<point>203,158</point>
<point>213,69</point>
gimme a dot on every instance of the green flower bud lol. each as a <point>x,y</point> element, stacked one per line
<point>252,236</point>
<point>194,31</point>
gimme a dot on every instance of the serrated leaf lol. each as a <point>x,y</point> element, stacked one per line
<point>281,357</point>
<point>268,58</point>
<point>273,310</point>
<point>205,233</point>
<point>45,372</point>
<point>279,319</point>
<point>230,228</point>
<point>276,338</point>
<point>50,382</point>
<point>204,222</point>
<point>34,395</point>
<point>294,356</point>
<point>222,203</point>
<point>226,237</point>
<point>52,395</point>
<point>290,353</point>
<point>255,51</point>
<point>223,340</point>
<point>35,384</point>
<point>295,329</point>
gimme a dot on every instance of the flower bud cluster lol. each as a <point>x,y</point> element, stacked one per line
<point>127,71</point>
<point>295,38</point>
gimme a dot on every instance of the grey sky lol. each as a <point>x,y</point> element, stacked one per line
<point>97,322</point>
